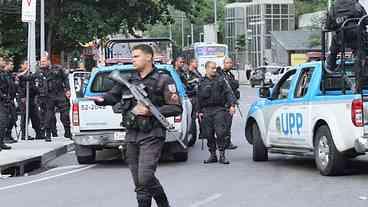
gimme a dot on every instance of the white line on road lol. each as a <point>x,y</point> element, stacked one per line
<point>46,178</point>
<point>207,200</point>
<point>63,168</point>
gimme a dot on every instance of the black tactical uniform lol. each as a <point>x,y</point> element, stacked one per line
<point>33,107</point>
<point>52,83</point>
<point>145,135</point>
<point>191,81</point>
<point>7,106</point>
<point>215,98</point>
<point>9,139</point>
<point>341,11</point>
<point>234,84</point>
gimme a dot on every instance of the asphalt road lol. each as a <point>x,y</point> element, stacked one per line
<point>281,182</point>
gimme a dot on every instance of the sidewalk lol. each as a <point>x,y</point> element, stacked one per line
<point>26,156</point>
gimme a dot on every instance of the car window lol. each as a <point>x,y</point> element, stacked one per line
<point>80,83</point>
<point>282,88</point>
<point>303,82</point>
<point>101,83</point>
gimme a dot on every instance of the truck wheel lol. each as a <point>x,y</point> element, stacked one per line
<point>180,156</point>
<point>328,159</point>
<point>85,155</point>
<point>260,152</point>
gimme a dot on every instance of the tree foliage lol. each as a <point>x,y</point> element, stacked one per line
<point>69,22</point>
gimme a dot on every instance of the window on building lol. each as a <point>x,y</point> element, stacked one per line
<point>276,25</point>
<point>268,26</point>
<point>276,9</point>
<point>268,9</point>
<point>284,24</point>
<point>285,9</point>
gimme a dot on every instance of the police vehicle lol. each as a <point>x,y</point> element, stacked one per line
<point>98,127</point>
<point>310,113</point>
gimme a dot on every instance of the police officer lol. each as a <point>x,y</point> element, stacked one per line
<point>7,106</point>
<point>53,92</point>
<point>33,108</point>
<point>215,101</point>
<point>145,135</point>
<point>341,11</point>
<point>9,67</point>
<point>234,84</point>
<point>191,80</point>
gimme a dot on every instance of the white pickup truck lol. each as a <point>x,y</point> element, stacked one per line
<point>98,127</point>
<point>310,112</point>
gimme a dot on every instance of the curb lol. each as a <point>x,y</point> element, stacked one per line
<point>19,168</point>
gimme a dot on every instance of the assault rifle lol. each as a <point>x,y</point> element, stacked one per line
<point>142,97</point>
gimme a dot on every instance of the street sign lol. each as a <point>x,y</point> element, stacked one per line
<point>28,10</point>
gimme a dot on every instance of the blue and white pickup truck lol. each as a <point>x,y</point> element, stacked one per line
<point>308,112</point>
<point>98,127</point>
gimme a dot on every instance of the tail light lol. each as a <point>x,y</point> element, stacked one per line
<point>177,119</point>
<point>75,114</point>
<point>357,113</point>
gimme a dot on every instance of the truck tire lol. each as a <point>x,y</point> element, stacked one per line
<point>260,152</point>
<point>85,155</point>
<point>329,161</point>
<point>180,156</point>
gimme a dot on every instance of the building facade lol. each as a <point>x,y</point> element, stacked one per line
<point>253,22</point>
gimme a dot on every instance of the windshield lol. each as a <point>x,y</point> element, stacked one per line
<point>162,50</point>
<point>272,70</point>
<point>216,51</point>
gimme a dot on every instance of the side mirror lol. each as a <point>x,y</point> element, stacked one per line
<point>264,92</point>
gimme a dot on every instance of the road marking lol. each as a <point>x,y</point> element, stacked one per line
<point>63,168</point>
<point>207,200</point>
<point>46,178</point>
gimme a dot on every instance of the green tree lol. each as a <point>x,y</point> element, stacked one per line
<point>69,22</point>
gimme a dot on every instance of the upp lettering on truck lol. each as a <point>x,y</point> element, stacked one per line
<point>289,123</point>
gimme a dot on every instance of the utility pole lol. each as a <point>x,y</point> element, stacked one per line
<point>215,22</point>
<point>329,34</point>
<point>192,32</point>
<point>182,31</point>
<point>42,33</point>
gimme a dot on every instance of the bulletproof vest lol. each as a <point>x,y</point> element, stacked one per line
<point>40,82</point>
<point>211,92</point>
<point>191,83</point>
<point>7,88</point>
<point>343,10</point>
<point>151,84</point>
<point>22,85</point>
<point>55,80</point>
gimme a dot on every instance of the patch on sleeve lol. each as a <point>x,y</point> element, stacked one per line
<point>172,88</point>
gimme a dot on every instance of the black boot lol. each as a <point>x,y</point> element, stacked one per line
<point>144,202</point>
<point>54,133</point>
<point>212,158</point>
<point>223,159</point>
<point>8,138</point>
<point>3,146</point>
<point>48,136</point>
<point>161,200</point>
<point>67,133</point>
<point>40,134</point>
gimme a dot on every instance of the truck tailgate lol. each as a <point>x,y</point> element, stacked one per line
<point>93,117</point>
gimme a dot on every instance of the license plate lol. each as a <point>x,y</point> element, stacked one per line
<point>119,136</point>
